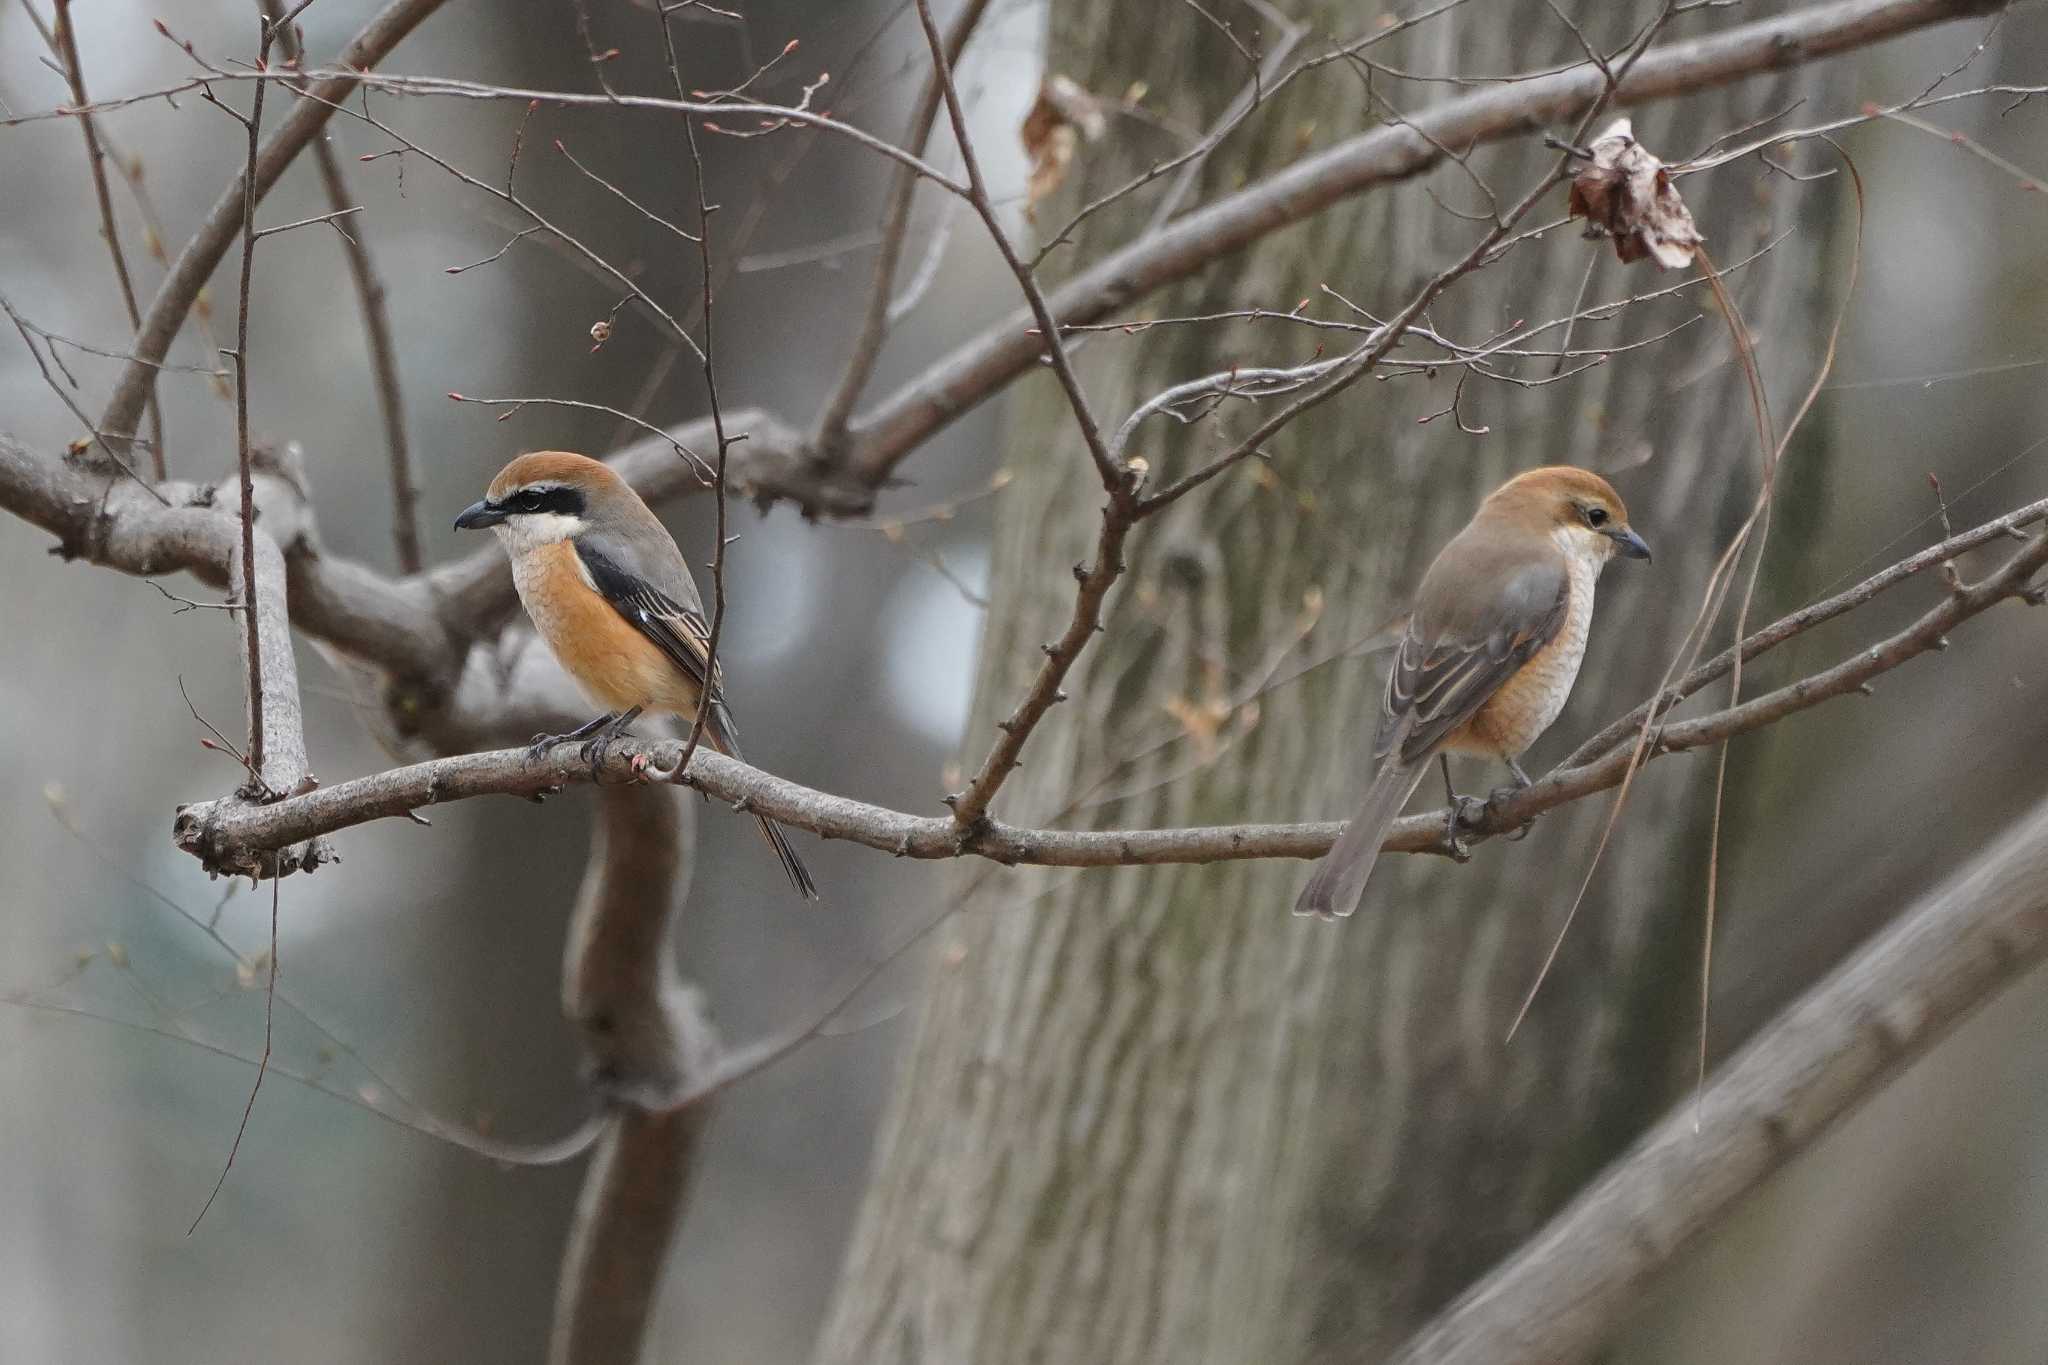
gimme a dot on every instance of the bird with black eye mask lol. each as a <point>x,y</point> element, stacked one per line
<point>612,596</point>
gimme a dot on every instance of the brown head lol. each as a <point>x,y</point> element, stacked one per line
<point>552,495</point>
<point>1575,506</point>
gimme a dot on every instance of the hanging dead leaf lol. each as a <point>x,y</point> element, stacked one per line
<point>1624,192</point>
<point>1061,116</point>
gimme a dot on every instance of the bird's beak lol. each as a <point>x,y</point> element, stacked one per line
<point>1626,541</point>
<point>478,515</point>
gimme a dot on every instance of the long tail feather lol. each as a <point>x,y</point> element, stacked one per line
<point>724,737</point>
<point>793,866</point>
<point>1339,880</point>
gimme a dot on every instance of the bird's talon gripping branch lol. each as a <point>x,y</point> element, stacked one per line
<point>538,747</point>
<point>1487,658</point>
<point>1455,820</point>
<point>610,592</point>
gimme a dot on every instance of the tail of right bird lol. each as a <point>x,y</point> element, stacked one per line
<point>1339,880</point>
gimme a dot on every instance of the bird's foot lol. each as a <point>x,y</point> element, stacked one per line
<point>597,749</point>
<point>1464,812</point>
<point>1494,800</point>
<point>538,747</point>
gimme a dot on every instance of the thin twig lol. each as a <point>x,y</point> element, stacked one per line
<point>64,42</point>
<point>865,349</point>
<point>196,262</point>
<point>706,353</point>
<point>370,299</point>
<point>262,1063</point>
<point>253,127</point>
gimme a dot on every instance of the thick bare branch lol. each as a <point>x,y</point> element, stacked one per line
<point>899,424</point>
<point>229,832</point>
<point>633,1196</point>
<point>1563,1292</point>
<point>121,526</point>
<point>647,1044</point>
<point>195,264</point>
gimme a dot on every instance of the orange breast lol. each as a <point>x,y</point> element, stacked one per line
<point>613,662</point>
<point>1525,705</point>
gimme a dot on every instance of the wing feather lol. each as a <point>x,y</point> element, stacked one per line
<point>1439,681</point>
<point>680,632</point>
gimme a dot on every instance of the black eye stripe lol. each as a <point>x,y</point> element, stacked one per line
<point>566,502</point>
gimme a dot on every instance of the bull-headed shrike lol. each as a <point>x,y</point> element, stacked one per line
<point>611,594</point>
<point>1490,653</point>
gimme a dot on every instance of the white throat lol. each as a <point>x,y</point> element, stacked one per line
<point>1583,547</point>
<point>534,529</point>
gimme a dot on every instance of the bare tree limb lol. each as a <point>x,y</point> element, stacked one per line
<point>1561,1295</point>
<point>355,249</point>
<point>774,117</point>
<point>252,617</point>
<point>63,41</point>
<point>866,348</point>
<point>1093,582</point>
<point>646,1043</point>
<point>900,423</point>
<point>230,832</point>
<point>125,527</point>
<point>1055,346</point>
<point>195,264</point>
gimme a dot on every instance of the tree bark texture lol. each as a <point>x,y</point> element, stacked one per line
<point>1148,1115</point>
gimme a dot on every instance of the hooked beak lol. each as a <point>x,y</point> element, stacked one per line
<point>478,515</point>
<point>1626,542</point>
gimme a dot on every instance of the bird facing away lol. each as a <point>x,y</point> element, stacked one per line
<point>1492,647</point>
<point>611,594</point>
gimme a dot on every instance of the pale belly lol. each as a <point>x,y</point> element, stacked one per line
<point>1526,705</point>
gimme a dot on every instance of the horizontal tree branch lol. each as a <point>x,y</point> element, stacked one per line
<point>882,437</point>
<point>1563,1293</point>
<point>1807,617</point>
<point>227,834</point>
<point>120,526</point>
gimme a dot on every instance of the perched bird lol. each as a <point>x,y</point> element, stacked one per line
<point>610,593</point>
<point>1491,649</point>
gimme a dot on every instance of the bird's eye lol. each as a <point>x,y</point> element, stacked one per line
<point>1596,517</point>
<point>527,500</point>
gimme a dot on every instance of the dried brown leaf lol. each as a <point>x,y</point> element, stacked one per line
<point>1061,116</point>
<point>1625,192</point>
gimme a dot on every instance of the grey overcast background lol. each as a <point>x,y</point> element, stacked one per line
<point>434,954</point>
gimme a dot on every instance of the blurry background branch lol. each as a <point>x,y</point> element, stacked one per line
<point>1560,1295</point>
<point>443,672</point>
<point>195,263</point>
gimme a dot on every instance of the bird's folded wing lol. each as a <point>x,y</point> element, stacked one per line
<point>680,632</point>
<point>1439,681</point>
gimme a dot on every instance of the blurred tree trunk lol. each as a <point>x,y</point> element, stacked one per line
<point>1149,1115</point>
